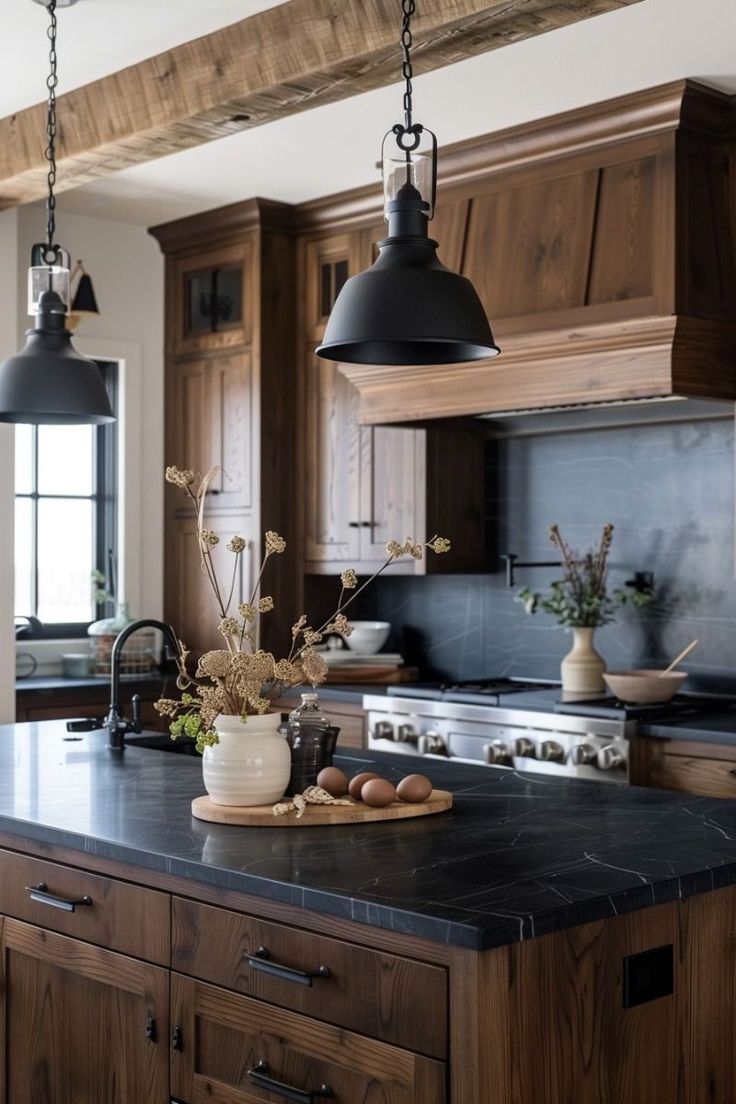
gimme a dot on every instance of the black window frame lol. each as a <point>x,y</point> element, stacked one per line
<point>104,519</point>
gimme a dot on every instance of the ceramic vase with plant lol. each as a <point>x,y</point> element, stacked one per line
<point>225,703</point>
<point>581,602</point>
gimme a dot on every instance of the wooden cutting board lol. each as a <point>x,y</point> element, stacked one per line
<point>261,816</point>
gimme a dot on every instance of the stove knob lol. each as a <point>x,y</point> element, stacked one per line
<point>610,758</point>
<point>524,748</point>
<point>383,730</point>
<point>580,754</point>
<point>406,734</point>
<point>431,744</point>
<point>496,752</point>
<point>551,751</point>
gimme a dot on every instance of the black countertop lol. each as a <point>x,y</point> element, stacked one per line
<point>520,855</point>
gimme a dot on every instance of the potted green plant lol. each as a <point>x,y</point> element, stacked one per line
<point>582,602</point>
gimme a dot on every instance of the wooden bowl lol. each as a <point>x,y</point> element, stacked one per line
<point>641,687</point>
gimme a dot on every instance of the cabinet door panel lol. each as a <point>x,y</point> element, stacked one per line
<point>212,300</point>
<point>391,489</point>
<point>189,603</point>
<point>80,1024</point>
<point>332,465</point>
<point>546,229</point>
<point>210,405</point>
<point>225,1036</point>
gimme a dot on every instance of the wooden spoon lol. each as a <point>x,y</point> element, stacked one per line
<point>680,657</point>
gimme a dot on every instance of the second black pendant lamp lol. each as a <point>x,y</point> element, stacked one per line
<point>407,308</point>
<point>48,382</point>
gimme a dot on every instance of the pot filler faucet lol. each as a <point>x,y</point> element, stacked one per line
<point>116,724</point>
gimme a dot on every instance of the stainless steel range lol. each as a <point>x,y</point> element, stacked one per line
<point>524,725</point>
<point>516,724</point>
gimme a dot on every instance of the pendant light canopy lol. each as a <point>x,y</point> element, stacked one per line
<point>407,308</point>
<point>48,381</point>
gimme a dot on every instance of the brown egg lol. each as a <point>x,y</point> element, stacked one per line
<point>356,784</point>
<point>414,788</point>
<point>378,792</point>
<point>333,780</point>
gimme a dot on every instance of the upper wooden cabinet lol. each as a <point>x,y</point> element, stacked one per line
<point>601,243</point>
<point>366,485</point>
<point>231,402</point>
<point>213,300</point>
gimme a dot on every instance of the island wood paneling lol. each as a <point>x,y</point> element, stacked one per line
<point>551,1027</point>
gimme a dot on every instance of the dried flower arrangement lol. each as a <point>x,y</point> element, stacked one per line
<point>241,679</point>
<point>581,598</point>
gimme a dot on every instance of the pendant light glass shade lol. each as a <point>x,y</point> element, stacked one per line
<point>48,382</point>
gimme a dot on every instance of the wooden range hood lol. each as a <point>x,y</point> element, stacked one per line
<point>603,245</point>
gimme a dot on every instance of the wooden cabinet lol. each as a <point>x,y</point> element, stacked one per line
<point>211,298</point>
<point>366,485</point>
<point>236,1050</point>
<point>693,767</point>
<point>79,1023</point>
<point>390,1019</point>
<point>210,424</point>
<point>382,995</point>
<point>230,403</point>
<point>112,914</point>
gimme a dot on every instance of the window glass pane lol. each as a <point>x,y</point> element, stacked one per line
<point>23,459</point>
<point>65,459</point>
<point>65,546</point>
<point>23,555</point>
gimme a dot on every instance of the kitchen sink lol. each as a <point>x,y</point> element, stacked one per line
<point>161,741</point>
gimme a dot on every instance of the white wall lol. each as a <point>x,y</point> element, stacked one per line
<point>127,270</point>
<point>8,346</point>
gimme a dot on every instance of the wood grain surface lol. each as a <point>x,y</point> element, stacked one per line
<point>290,58</point>
<point>261,816</point>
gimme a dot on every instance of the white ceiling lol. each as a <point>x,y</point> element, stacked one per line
<point>335,147</point>
<point>96,37</point>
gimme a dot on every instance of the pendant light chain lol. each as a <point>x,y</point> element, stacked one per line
<point>51,82</point>
<point>409,7</point>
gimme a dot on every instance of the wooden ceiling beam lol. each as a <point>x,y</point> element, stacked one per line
<point>290,58</point>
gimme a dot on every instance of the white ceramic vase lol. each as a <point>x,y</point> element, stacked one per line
<point>582,668</point>
<point>250,765</point>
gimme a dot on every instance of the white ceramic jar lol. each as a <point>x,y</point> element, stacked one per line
<point>250,765</point>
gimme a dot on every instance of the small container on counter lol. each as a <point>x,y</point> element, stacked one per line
<point>312,740</point>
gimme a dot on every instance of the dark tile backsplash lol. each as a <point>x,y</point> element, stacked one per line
<point>669,491</point>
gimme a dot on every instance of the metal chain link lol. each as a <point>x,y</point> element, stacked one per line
<point>408,7</point>
<point>51,83</point>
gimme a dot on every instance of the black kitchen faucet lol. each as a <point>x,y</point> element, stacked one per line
<point>116,724</point>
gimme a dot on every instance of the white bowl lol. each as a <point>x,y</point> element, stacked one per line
<point>368,636</point>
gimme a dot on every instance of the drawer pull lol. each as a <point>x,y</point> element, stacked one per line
<point>261,960</point>
<point>40,894</point>
<point>261,1076</point>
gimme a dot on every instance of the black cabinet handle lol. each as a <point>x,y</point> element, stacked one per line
<point>260,1075</point>
<point>353,525</point>
<point>149,1031</point>
<point>40,894</point>
<point>261,960</point>
<point>360,525</point>
<point>177,1039</point>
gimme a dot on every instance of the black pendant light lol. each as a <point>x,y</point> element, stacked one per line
<point>407,308</point>
<point>48,382</point>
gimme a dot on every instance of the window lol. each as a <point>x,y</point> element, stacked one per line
<point>65,518</point>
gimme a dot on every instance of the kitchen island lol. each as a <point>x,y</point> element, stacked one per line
<point>546,941</point>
